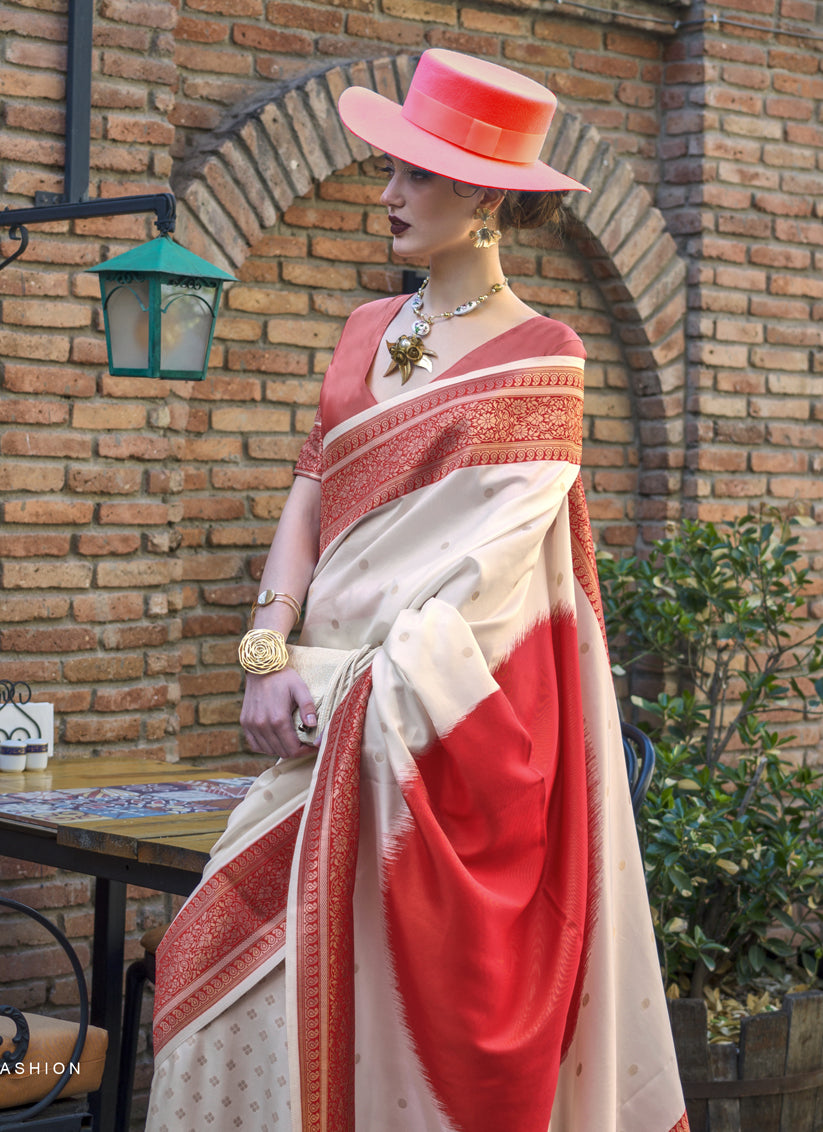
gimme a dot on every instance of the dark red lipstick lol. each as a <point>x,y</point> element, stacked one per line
<point>398,227</point>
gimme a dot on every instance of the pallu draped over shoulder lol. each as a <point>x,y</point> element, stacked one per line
<point>440,923</point>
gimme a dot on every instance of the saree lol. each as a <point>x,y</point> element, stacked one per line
<point>439,923</point>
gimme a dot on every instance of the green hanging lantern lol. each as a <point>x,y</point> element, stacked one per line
<point>160,308</point>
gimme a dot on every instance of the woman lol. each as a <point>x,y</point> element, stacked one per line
<point>434,921</point>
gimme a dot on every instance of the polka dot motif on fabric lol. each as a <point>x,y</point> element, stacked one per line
<point>645,1004</point>
<point>402,1102</point>
<point>488,493</point>
<point>445,545</point>
<point>560,578</point>
<point>468,651</point>
<point>475,595</point>
<point>584,648</point>
<point>335,624</point>
<point>622,866</point>
<point>633,1070</point>
<point>586,998</point>
<point>363,563</point>
<point>403,637</point>
<point>579,1069</point>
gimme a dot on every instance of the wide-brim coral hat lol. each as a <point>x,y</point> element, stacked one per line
<point>463,118</point>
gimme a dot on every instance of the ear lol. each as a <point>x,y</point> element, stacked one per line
<point>491,199</point>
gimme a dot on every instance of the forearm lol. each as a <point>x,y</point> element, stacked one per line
<point>293,555</point>
<point>266,716</point>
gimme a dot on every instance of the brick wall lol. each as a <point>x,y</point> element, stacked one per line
<point>137,513</point>
<point>754,240</point>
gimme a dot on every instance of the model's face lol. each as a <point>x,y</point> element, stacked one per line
<point>428,213</point>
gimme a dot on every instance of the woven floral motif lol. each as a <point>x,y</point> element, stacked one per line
<point>225,931</point>
<point>499,418</point>
<point>325,992</point>
<point>583,556</point>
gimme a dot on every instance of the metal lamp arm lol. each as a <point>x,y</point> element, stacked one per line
<point>162,204</point>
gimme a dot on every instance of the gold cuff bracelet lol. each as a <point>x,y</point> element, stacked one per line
<point>263,651</point>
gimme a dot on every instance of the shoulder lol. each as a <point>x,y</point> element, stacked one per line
<point>374,312</point>
<point>554,338</point>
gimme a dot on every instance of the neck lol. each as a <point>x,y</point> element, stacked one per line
<point>459,276</point>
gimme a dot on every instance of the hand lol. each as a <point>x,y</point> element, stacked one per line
<point>266,717</point>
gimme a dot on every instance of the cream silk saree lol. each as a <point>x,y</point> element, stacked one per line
<point>439,924</point>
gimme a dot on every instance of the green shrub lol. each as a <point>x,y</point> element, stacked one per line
<point>731,829</point>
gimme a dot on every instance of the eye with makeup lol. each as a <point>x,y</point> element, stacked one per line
<point>410,171</point>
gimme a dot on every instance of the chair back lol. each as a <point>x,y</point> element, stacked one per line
<point>640,759</point>
<point>19,1117</point>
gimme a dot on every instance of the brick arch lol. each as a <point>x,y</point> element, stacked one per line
<point>272,152</point>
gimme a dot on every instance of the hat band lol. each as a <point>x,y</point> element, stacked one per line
<point>471,133</point>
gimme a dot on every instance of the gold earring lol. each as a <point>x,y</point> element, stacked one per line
<point>485,236</point>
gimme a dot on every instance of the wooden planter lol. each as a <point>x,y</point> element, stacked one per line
<point>772,1082</point>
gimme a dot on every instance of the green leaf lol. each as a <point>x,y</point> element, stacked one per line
<point>727,866</point>
<point>676,925</point>
<point>757,957</point>
<point>680,880</point>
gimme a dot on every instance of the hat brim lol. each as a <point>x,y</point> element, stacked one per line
<point>380,122</point>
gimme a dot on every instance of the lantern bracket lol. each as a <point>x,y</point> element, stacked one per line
<point>162,204</point>
<point>17,232</point>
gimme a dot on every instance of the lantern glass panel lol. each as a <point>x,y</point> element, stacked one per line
<point>127,309</point>
<point>186,325</point>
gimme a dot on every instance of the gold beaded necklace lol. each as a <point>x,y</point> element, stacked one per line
<point>408,350</point>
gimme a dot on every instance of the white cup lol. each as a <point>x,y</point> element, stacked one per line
<point>13,755</point>
<point>37,754</point>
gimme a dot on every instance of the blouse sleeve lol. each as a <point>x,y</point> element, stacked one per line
<point>310,461</point>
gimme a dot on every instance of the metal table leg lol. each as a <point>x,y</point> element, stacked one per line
<point>107,991</point>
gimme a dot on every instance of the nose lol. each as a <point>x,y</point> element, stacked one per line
<point>391,195</point>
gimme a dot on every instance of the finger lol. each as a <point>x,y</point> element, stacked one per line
<point>308,712</point>
<point>301,752</point>
<point>291,746</point>
<point>261,743</point>
<point>263,737</point>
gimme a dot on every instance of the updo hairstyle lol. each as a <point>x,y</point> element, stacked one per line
<point>525,209</point>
